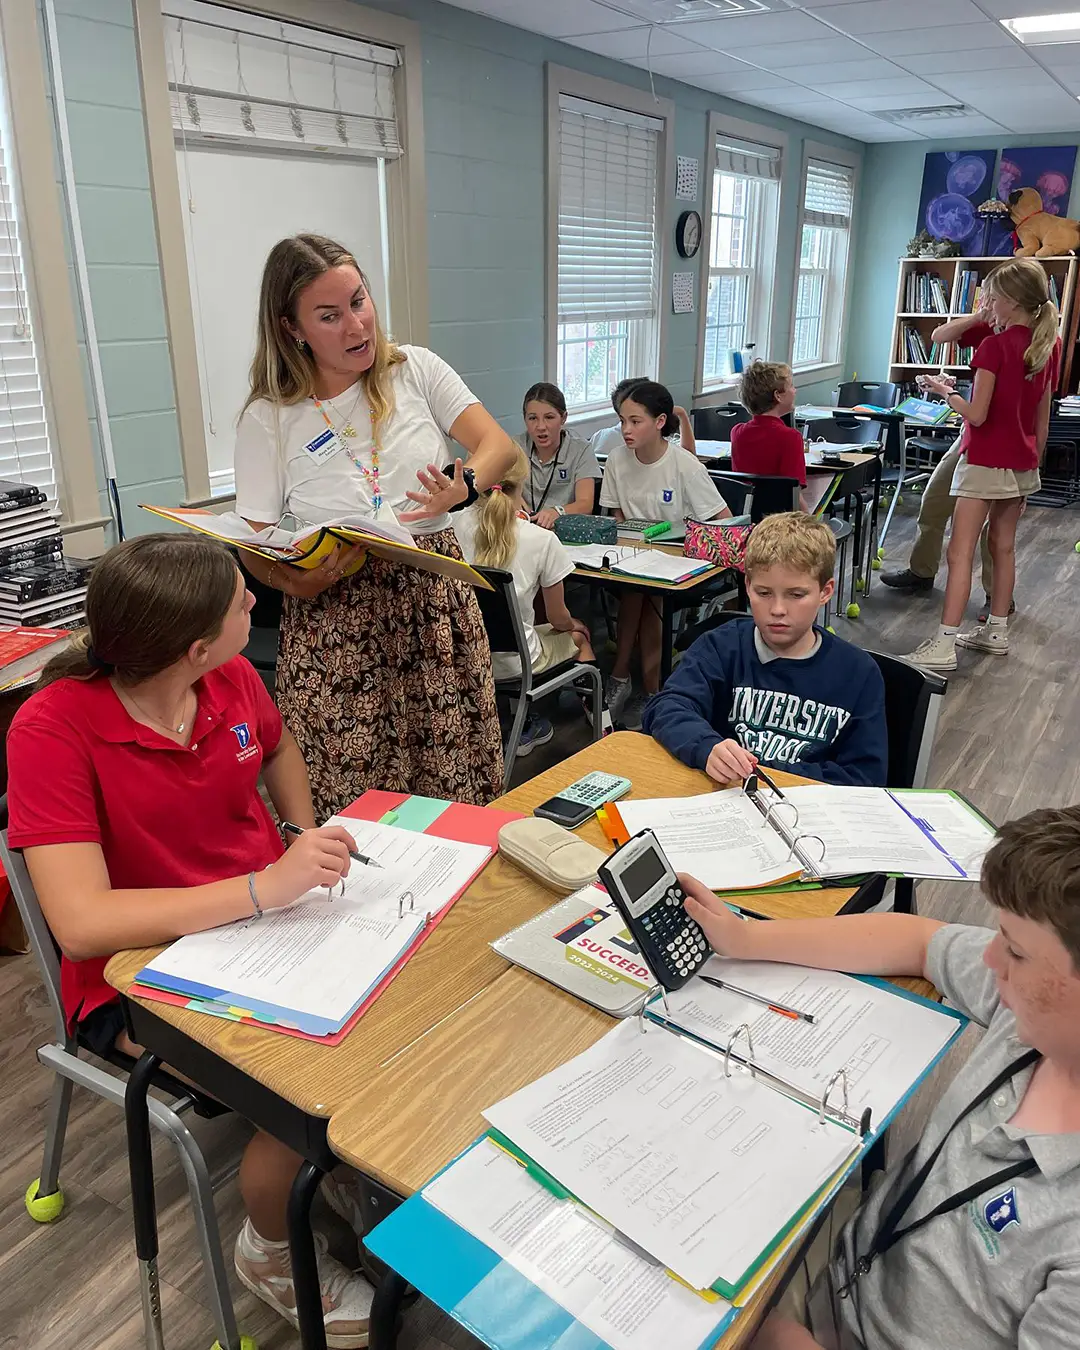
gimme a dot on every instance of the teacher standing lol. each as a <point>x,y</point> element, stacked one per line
<point>384,673</point>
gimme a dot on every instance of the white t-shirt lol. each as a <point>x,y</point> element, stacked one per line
<point>677,485</point>
<point>541,559</point>
<point>275,473</point>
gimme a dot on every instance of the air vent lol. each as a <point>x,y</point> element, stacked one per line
<point>938,113</point>
<point>673,11</point>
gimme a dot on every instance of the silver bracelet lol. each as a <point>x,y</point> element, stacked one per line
<point>254,898</point>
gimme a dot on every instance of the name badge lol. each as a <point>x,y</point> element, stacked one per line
<point>325,446</point>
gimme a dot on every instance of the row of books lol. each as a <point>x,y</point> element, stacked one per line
<point>37,585</point>
<point>914,349</point>
<point>925,293</point>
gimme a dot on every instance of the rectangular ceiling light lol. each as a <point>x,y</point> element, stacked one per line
<point>941,110</point>
<point>673,11</point>
<point>1040,29</point>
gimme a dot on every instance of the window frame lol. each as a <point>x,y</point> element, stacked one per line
<point>406,197</point>
<point>841,300</point>
<point>578,84</point>
<point>719,124</point>
<point>57,333</point>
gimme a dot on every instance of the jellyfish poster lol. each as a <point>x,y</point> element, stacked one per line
<point>954,183</point>
<point>1046,168</point>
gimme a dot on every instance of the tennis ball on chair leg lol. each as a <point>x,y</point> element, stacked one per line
<point>853,610</point>
<point>43,1208</point>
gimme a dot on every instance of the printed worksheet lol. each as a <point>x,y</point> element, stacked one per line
<point>629,1302</point>
<point>882,1041</point>
<point>648,1131</point>
<point>960,830</point>
<point>719,837</point>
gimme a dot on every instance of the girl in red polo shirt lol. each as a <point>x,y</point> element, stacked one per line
<point>1005,425</point>
<point>133,777</point>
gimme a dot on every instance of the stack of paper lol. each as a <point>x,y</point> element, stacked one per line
<point>311,967</point>
<point>649,563</point>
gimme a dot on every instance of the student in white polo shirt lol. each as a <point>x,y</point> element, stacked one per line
<point>648,478</point>
<point>972,1241</point>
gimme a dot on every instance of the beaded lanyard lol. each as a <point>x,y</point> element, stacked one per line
<point>348,431</point>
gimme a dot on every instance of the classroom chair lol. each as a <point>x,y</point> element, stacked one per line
<point>880,394</point>
<point>756,495</point>
<point>841,430</point>
<point>64,1056</point>
<point>506,634</point>
<point>714,424</point>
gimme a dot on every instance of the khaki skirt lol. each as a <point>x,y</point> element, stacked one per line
<point>385,681</point>
<point>990,485</point>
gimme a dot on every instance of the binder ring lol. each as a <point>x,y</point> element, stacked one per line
<point>778,803</point>
<point>798,845</point>
<point>743,1026</point>
<point>646,1000</point>
<point>401,906</point>
<point>840,1075</point>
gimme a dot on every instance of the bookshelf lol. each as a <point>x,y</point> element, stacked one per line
<point>931,290</point>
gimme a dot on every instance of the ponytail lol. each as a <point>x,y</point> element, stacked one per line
<point>1043,335</point>
<point>496,517</point>
<point>75,662</point>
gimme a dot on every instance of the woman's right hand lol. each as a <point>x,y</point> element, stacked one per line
<point>315,858</point>
<point>310,583</point>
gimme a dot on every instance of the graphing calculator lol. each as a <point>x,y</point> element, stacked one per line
<point>643,885</point>
<point>579,802</point>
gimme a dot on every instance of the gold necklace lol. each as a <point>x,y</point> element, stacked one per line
<point>175,731</point>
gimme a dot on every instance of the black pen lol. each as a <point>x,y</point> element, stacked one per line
<point>784,1009</point>
<point>290,828</point>
<point>768,781</point>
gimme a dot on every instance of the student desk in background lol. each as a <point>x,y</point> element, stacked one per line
<point>423,1107</point>
<point>294,1089</point>
<point>673,595</point>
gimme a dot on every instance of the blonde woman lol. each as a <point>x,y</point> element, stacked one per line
<point>384,673</point>
<point>1002,445</point>
<point>493,533</point>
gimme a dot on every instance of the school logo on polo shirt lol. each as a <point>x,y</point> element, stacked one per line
<point>1000,1212</point>
<point>563,474</point>
<point>242,732</point>
<point>669,495</point>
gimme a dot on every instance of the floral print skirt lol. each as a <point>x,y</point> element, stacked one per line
<point>385,681</point>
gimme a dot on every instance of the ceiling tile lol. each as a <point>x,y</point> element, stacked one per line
<point>887,16</point>
<point>636,42</point>
<point>969,84</point>
<point>1016,9</point>
<point>989,58</point>
<point>556,18</point>
<point>797,97</point>
<point>907,90</point>
<point>785,55</point>
<point>688,66</point>
<point>753,30</point>
<point>1058,54</point>
<point>848,72</point>
<point>735,82</point>
<point>975,36</point>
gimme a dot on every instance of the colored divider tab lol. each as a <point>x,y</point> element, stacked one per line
<point>417,813</point>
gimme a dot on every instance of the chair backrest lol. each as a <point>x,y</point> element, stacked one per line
<point>913,699</point>
<point>756,495</point>
<point>714,424</point>
<point>502,618</point>
<point>840,430</point>
<point>42,943</point>
<point>881,395</point>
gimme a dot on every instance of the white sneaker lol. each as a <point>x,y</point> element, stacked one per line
<point>988,637</point>
<point>265,1269</point>
<point>936,653</point>
<point>616,694</point>
<point>342,1194</point>
<point>633,711</point>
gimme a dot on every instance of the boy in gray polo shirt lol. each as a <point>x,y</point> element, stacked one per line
<point>997,1267</point>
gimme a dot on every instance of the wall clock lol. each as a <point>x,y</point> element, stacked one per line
<point>688,234</point>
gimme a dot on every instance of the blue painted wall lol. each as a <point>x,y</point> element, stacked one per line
<point>484,126</point>
<point>892,182</point>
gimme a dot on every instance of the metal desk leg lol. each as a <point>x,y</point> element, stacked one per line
<point>385,1309</point>
<point>667,615</point>
<point>872,540</point>
<point>899,485</point>
<point>143,1200</point>
<point>305,1270</point>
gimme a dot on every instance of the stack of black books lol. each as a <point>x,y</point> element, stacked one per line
<point>38,588</point>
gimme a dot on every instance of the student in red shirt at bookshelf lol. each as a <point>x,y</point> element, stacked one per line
<point>764,445</point>
<point>133,775</point>
<point>1002,444</point>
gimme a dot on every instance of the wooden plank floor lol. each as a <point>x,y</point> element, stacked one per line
<point>1004,740</point>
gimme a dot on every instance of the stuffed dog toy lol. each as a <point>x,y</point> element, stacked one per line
<point>1040,235</point>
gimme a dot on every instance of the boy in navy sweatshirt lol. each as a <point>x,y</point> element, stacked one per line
<point>776,690</point>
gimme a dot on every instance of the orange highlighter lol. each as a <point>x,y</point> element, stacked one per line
<point>611,822</point>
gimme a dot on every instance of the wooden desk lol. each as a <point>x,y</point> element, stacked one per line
<point>292,1088</point>
<point>673,595</point>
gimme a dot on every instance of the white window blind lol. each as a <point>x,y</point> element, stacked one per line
<point>607,240</point>
<point>747,159</point>
<point>24,436</point>
<point>830,190</point>
<point>241,78</point>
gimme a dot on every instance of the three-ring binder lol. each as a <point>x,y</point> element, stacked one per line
<point>772,819</point>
